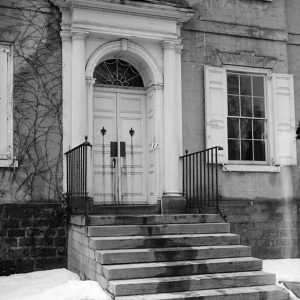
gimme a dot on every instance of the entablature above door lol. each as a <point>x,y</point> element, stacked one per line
<point>142,19</point>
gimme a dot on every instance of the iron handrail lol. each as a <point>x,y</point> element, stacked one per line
<point>200,179</point>
<point>77,179</point>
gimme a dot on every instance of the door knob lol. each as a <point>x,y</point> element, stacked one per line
<point>114,163</point>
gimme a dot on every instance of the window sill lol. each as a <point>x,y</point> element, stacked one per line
<point>251,168</point>
<point>8,163</point>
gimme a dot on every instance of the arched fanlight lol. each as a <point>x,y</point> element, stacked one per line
<point>117,72</point>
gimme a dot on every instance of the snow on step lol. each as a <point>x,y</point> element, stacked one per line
<point>179,268</point>
<point>170,254</point>
<point>268,292</point>
<point>181,240</point>
<point>128,230</point>
<point>189,283</point>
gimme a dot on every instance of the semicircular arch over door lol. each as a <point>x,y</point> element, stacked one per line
<point>120,150</point>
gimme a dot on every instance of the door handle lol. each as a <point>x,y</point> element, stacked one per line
<point>113,163</point>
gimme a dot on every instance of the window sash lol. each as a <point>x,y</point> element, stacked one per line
<point>252,95</point>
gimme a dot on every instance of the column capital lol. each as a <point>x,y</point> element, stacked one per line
<point>65,35</point>
<point>179,48</point>
<point>90,80</point>
<point>170,44</point>
<point>79,35</point>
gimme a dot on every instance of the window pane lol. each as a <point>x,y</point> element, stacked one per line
<point>259,129</point>
<point>233,84</point>
<point>234,149</point>
<point>258,86</point>
<point>233,106</point>
<point>246,88</point>
<point>246,129</point>
<point>247,150</point>
<point>259,107</point>
<point>233,128</point>
<point>246,106</point>
<point>259,151</point>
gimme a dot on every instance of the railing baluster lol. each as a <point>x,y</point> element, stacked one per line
<point>200,178</point>
<point>212,176</point>
<point>76,168</point>
<point>197,179</point>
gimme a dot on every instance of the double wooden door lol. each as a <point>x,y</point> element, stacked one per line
<point>119,150</point>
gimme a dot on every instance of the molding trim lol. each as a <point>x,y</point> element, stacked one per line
<point>135,51</point>
<point>251,168</point>
<point>247,59</point>
<point>237,30</point>
<point>131,8</point>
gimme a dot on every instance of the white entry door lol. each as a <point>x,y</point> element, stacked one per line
<point>119,149</point>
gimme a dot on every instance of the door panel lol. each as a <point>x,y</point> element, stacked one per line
<point>133,174</point>
<point>118,112</point>
<point>105,115</point>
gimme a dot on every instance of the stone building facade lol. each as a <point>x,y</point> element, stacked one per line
<point>195,62</point>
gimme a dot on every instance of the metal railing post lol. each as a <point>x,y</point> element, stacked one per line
<point>200,178</point>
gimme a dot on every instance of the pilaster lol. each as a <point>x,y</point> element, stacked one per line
<point>79,104</point>
<point>67,97</point>
<point>171,126</point>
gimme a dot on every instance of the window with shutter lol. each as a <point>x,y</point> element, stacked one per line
<point>250,113</point>
<point>6,76</point>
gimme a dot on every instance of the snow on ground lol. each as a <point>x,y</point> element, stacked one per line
<point>286,270</point>
<point>58,284</point>
<point>61,284</point>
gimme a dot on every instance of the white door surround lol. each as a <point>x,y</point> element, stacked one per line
<point>146,35</point>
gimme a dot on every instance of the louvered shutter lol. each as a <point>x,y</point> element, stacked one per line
<point>284,119</point>
<point>3,102</point>
<point>216,110</point>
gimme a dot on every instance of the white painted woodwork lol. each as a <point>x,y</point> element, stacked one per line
<point>284,108</point>
<point>280,113</point>
<point>3,104</point>
<point>117,111</point>
<point>216,110</point>
<point>79,106</point>
<point>171,140</point>
<point>104,30</point>
<point>6,118</point>
<point>67,97</point>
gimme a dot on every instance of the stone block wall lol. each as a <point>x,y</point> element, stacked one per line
<point>81,259</point>
<point>32,237</point>
<point>270,227</point>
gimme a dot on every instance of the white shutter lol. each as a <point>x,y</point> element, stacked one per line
<point>216,110</point>
<point>284,119</point>
<point>3,102</point>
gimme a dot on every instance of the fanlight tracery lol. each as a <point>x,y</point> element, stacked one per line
<point>117,72</point>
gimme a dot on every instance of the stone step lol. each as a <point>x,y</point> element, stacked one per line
<point>126,209</point>
<point>160,241</point>
<point>189,283</point>
<point>170,254</point>
<point>179,268</point>
<point>161,229</point>
<point>267,292</point>
<point>153,219</point>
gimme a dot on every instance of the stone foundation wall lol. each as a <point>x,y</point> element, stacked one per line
<point>81,259</point>
<point>32,237</point>
<point>270,227</point>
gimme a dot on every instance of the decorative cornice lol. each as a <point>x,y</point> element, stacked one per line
<point>157,11</point>
<point>247,59</point>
